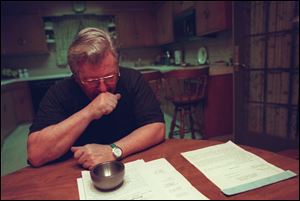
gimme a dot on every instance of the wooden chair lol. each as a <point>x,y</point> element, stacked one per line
<point>154,80</point>
<point>186,89</point>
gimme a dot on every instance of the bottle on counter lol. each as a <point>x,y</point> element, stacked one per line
<point>178,57</point>
<point>25,73</point>
<point>21,73</point>
<point>167,58</point>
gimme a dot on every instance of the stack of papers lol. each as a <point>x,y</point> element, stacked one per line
<point>233,169</point>
<point>154,180</point>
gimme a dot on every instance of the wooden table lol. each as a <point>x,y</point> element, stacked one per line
<point>58,181</point>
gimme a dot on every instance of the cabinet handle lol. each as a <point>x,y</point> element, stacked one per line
<point>240,65</point>
<point>237,67</point>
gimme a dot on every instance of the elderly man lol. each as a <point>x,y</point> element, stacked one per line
<point>103,112</point>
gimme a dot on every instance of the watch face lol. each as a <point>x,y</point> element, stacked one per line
<point>117,152</point>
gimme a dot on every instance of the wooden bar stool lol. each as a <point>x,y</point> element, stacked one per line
<point>186,89</point>
<point>154,80</point>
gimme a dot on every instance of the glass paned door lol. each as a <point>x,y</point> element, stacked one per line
<point>266,78</point>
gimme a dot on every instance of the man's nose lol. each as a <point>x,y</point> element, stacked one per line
<point>102,86</point>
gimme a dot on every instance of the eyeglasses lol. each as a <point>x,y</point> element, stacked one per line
<point>94,82</point>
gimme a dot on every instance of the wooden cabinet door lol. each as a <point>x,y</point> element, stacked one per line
<point>201,17</point>
<point>181,6</point>
<point>135,29</point>
<point>8,119</point>
<point>165,23</point>
<point>23,34</point>
<point>16,106</point>
<point>219,15</point>
<point>218,109</point>
<point>145,28</point>
<point>22,104</point>
<point>213,16</point>
<point>125,30</point>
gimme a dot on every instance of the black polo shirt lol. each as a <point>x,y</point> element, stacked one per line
<point>137,107</point>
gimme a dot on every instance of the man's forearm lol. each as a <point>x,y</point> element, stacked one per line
<point>142,138</point>
<point>53,141</point>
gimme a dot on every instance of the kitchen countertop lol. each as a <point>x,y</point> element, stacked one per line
<point>164,68</point>
<point>213,70</point>
<point>32,78</point>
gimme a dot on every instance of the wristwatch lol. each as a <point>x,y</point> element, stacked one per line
<point>117,151</point>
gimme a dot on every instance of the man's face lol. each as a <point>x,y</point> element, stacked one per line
<point>100,78</point>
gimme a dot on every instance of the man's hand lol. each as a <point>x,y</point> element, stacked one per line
<point>103,104</point>
<point>91,154</point>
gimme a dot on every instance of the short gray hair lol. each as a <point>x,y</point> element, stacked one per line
<point>89,46</point>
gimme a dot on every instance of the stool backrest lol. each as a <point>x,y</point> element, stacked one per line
<point>186,83</point>
<point>154,80</point>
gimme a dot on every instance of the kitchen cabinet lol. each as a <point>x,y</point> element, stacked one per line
<point>135,29</point>
<point>164,17</point>
<point>16,106</point>
<point>22,34</point>
<point>146,28</point>
<point>22,103</point>
<point>218,110</point>
<point>213,16</point>
<point>181,6</point>
<point>8,119</point>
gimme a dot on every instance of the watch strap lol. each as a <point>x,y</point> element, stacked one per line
<point>118,149</point>
<point>112,145</point>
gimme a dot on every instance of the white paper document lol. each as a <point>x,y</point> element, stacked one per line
<point>234,169</point>
<point>174,185</point>
<point>154,180</point>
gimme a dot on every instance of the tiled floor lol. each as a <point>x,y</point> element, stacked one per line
<point>14,151</point>
<point>168,120</point>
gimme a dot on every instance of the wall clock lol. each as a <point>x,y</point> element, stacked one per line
<point>79,6</point>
